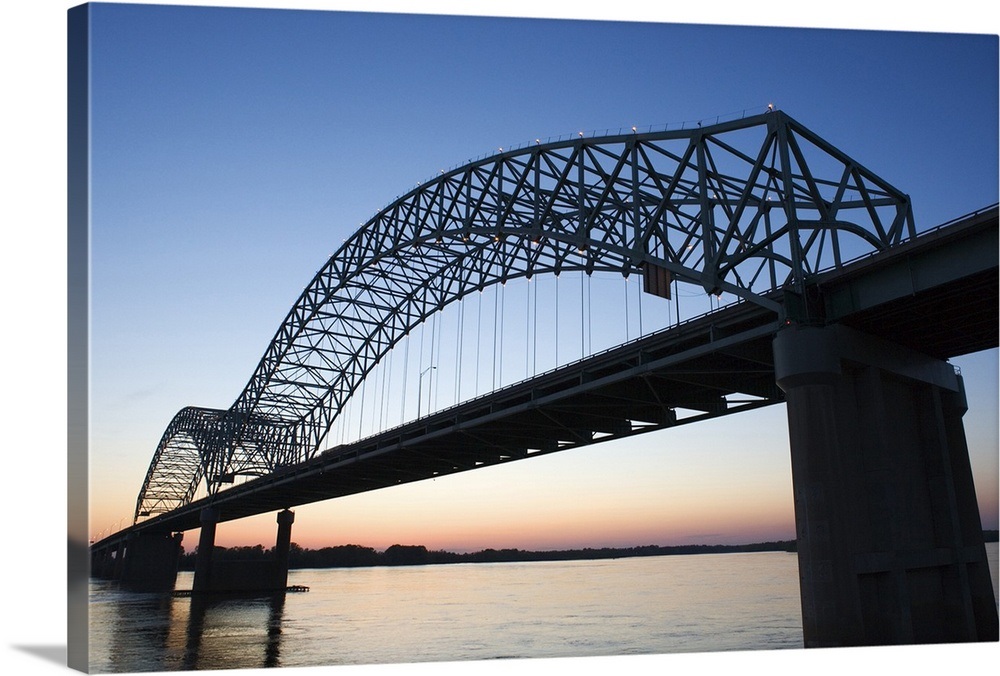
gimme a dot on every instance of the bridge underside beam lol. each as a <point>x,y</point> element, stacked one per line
<point>640,389</point>
<point>890,541</point>
<point>938,295</point>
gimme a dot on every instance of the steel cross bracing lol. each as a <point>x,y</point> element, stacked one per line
<point>745,207</point>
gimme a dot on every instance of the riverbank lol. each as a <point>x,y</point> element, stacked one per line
<point>357,556</point>
<point>354,556</point>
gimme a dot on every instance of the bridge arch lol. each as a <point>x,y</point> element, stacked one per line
<point>747,207</point>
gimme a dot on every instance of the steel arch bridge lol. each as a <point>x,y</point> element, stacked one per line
<point>745,207</point>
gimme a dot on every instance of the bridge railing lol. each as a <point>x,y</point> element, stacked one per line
<point>918,234</point>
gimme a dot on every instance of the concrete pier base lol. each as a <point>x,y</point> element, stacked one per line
<point>241,577</point>
<point>102,564</point>
<point>890,541</point>
<point>150,562</point>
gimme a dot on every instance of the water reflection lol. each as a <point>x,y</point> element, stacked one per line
<point>139,624</point>
<point>227,630</point>
<point>161,632</point>
<point>384,615</point>
<point>272,652</point>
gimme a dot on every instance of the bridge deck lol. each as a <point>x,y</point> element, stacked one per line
<point>937,293</point>
<point>712,366</point>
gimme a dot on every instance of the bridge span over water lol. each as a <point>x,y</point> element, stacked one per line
<point>843,312</point>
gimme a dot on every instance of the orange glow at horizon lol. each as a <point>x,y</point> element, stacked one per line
<point>473,528</point>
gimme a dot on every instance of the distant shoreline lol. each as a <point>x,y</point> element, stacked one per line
<point>357,556</point>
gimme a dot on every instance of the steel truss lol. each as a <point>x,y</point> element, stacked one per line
<point>744,207</point>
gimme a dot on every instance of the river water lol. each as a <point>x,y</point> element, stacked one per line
<point>664,604</point>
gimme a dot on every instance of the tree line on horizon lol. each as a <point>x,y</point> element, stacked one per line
<point>358,556</point>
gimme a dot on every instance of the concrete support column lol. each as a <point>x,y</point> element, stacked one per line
<point>967,527</point>
<point>890,543</point>
<point>102,564</point>
<point>282,547</point>
<point>206,544</point>
<point>119,562</point>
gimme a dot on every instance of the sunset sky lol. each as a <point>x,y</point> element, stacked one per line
<point>234,150</point>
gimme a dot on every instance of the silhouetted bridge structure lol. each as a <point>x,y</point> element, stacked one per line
<point>844,313</point>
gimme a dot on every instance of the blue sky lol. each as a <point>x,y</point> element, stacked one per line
<point>234,150</point>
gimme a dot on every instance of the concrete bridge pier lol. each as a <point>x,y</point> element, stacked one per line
<point>150,562</point>
<point>206,545</point>
<point>106,562</point>
<point>269,575</point>
<point>282,547</point>
<point>119,562</point>
<point>102,564</point>
<point>890,541</point>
